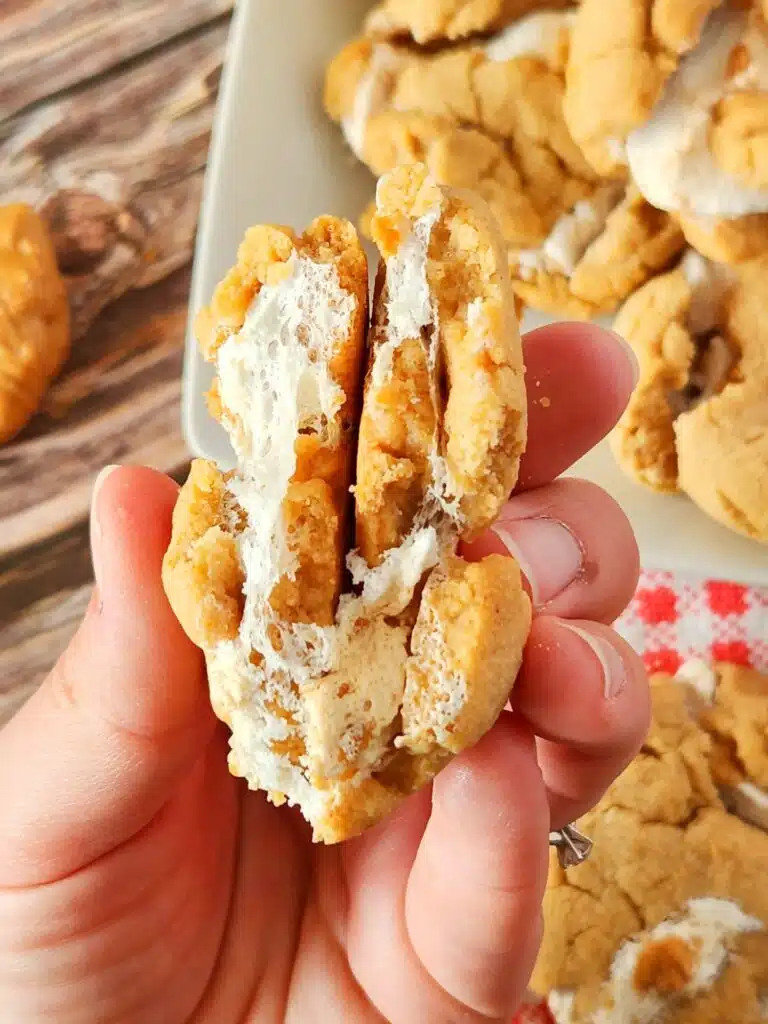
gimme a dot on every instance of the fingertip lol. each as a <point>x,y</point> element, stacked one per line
<point>567,421</point>
<point>582,684</point>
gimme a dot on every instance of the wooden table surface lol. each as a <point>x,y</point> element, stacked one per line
<point>105,118</point>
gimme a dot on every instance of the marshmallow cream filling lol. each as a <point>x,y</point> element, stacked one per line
<point>708,926</point>
<point>536,35</point>
<point>571,237</point>
<point>670,156</point>
<point>372,95</point>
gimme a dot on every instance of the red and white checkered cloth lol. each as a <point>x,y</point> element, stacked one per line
<point>673,619</point>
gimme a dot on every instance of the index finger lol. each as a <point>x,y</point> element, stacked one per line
<point>579,379</point>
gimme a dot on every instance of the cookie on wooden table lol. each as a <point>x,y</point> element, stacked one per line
<point>668,919</point>
<point>349,678</point>
<point>35,333</point>
<point>698,419</point>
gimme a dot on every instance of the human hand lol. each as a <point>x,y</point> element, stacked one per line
<point>139,882</point>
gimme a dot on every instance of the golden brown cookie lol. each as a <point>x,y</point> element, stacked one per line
<point>35,332</point>
<point>698,420</point>
<point>487,117</point>
<point>431,21</point>
<point>701,155</point>
<point>343,701</point>
<point>668,919</point>
<point>623,52</point>
<point>730,703</point>
<point>596,254</point>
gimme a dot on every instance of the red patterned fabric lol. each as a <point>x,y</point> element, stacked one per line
<point>673,619</point>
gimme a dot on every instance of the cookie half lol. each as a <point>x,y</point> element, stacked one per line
<point>349,677</point>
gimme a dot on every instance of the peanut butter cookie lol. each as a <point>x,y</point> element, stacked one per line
<point>667,922</point>
<point>701,155</point>
<point>698,420</point>
<point>35,332</point>
<point>623,53</point>
<point>345,693</point>
<point>487,117</point>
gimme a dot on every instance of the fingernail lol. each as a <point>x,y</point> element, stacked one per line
<point>96,529</point>
<point>549,555</point>
<point>631,357</point>
<point>614,669</point>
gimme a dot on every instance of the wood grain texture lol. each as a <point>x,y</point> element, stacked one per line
<point>47,46</point>
<point>105,119</point>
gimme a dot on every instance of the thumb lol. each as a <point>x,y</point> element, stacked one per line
<point>97,751</point>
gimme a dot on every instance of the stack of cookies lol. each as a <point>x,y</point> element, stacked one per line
<point>621,145</point>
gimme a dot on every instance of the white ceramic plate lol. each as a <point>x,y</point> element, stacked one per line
<point>276,158</point>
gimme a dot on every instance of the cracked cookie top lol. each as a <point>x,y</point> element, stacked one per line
<point>486,116</point>
<point>668,919</point>
<point>348,678</point>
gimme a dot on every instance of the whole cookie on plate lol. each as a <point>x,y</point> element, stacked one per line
<point>701,155</point>
<point>698,419</point>
<point>431,21</point>
<point>487,117</point>
<point>668,919</point>
<point>623,53</point>
<point>349,678</point>
<point>730,702</point>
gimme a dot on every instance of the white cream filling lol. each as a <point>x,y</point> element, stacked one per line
<point>700,677</point>
<point>708,926</point>
<point>670,157</point>
<point>571,237</point>
<point>373,93</point>
<point>536,35</point>
<point>560,1004</point>
<point>749,802</point>
<point>709,283</point>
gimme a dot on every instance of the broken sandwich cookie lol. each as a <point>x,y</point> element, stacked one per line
<point>349,678</point>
